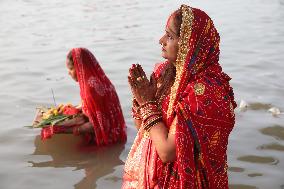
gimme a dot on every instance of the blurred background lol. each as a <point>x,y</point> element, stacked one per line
<point>35,37</point>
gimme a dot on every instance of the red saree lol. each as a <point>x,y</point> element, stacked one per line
<point>100,102</point>
<point>202,102</point>
<point>99,99</point>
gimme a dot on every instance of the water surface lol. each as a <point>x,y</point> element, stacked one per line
<point>35,37</point>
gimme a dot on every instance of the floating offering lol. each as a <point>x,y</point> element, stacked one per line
<point>274,111</point>
<point>46,117</point>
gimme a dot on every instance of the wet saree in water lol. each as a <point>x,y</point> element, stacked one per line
<point>199,111</point>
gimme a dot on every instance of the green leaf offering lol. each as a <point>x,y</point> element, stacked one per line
<point>52,120</point>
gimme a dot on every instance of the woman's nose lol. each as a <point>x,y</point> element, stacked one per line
<point>161,41</point>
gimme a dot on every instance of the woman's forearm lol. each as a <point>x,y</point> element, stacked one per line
<point>81,129</point>
<point>164,142</point>
<point>86,128</point>
<point>79,120</point>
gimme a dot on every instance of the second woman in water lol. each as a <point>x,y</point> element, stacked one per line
<point>102,120</point>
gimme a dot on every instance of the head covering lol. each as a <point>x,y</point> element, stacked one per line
<point>99,99</point>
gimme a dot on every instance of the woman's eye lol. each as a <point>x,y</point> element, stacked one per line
<point>169,37</point>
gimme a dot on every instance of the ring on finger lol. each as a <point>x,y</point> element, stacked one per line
<point>139,79</point>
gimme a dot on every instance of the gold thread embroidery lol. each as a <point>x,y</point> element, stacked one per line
<point>214,140</point>
<point>218,94</point>
<point>208,26</point>
<point>232,109</point>
<point>185,34</point>
<point>146,134</point>
<point>197,67</point>
<point>173,127</point>
<point>199,89</point>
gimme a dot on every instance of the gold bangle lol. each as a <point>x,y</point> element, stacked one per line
<point>153,123</point>
<point>147,116</point>
<point>150,122</point>
<point>146,103</point>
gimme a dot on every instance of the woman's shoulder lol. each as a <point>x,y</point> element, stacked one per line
<point>201,86</point>
<point>159,67</point>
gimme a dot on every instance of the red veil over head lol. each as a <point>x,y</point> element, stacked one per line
<point>202,102</point>
<point>99,99</point>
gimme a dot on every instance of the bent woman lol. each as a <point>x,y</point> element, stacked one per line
<point>102,120</point>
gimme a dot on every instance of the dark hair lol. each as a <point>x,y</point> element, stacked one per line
<point>177,16</point>
<point>69,56</point>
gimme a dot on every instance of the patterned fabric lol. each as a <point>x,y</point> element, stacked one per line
<point>99,99</point>
<point>199,111</point>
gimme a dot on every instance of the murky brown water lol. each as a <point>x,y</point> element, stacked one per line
<point>35,37</point>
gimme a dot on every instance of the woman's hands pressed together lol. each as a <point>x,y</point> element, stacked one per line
<point>142,89</point>
<point>149,117</point>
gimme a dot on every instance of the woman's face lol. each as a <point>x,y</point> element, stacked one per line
<point>169,42</point>
<point>71,69</point>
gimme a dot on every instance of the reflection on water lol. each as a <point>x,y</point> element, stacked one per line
<point>66,151</point>
<point>236,169</point>
<point>276,131</point>
<point>259,159</point>
<point>272,146</point>
<point>241,186</point>
<point>255,174</point>
<point>259,106</point>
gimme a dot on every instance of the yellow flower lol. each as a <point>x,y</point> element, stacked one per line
<point>46,116</point>
<point>55,112</point>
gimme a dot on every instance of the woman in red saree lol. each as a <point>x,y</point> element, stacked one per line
<point>104,121</point>
<point>185,113</point>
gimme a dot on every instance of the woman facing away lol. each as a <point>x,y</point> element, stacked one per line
<point>185,113</point>
<point>101,121</point>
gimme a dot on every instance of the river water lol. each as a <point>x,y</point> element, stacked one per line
<point>35,37</point>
